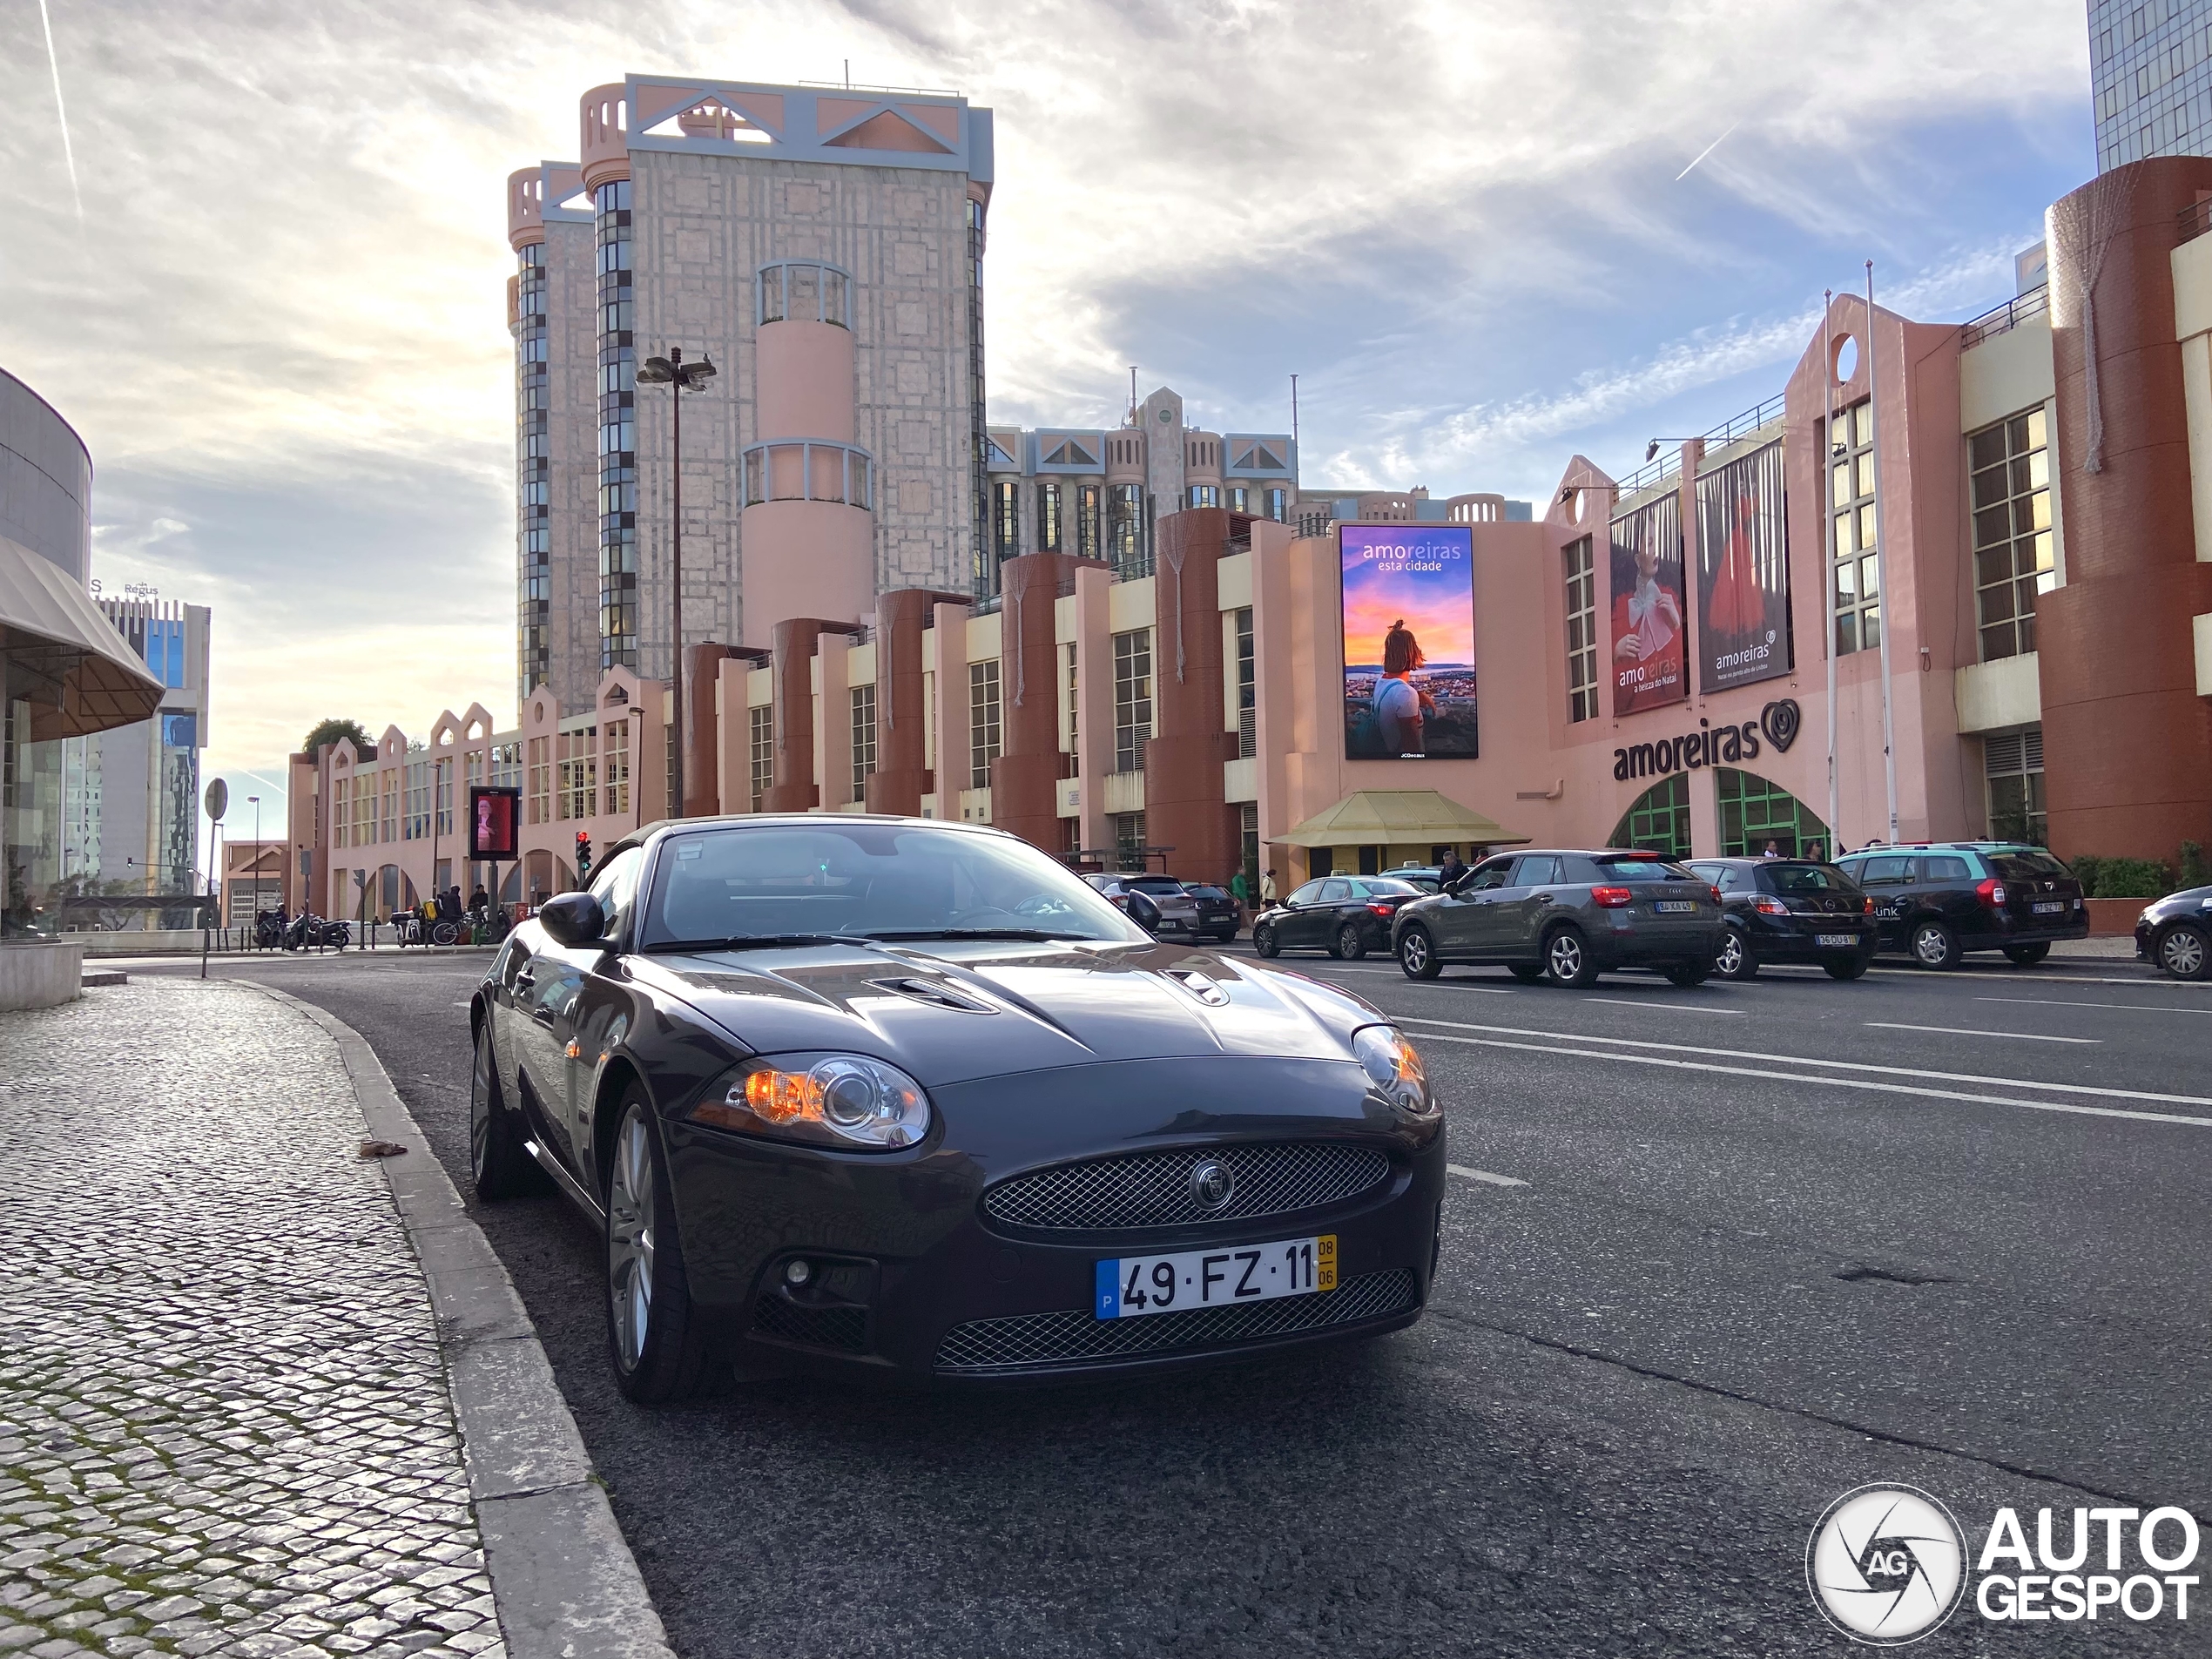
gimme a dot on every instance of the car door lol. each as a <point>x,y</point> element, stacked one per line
<point>1462,924</point>
<point>1886,878</point>
<point>1944,882</point>
<point>1513,923</point>
<point>1296,925</point>
<point>596,1014</point>
<point>542,986</point>
<point>1318,924</point>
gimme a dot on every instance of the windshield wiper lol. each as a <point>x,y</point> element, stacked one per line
<point>757,942</point>
<point>1038,935</point>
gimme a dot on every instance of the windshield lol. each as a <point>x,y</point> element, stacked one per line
<point>1166,884</point>
<point>2027,866</point>
<point>1640,870</point>
<point>738,881</point>
<point>1809,877</point>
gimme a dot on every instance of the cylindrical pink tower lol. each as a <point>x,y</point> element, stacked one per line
<point>808,535</point>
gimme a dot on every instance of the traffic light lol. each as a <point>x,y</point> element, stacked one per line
<point>583,857</point>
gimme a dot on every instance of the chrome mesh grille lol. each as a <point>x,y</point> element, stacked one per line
<point>1153,1188</point>
<point>1030,1339</point>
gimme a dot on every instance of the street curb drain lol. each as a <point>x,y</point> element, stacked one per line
<point>563,1578</point>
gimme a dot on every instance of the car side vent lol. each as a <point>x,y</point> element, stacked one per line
<point>1199,985</point>
<point>935,993</point>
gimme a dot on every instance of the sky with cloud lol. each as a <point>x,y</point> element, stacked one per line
<point>278,321</point>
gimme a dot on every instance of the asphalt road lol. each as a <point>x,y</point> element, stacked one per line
<point>1776,1241</point>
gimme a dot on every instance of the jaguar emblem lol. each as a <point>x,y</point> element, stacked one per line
<point>1211,1185</point>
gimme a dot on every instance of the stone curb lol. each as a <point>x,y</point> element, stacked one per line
<point>563,1578</point>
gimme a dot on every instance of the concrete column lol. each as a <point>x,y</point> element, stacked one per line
<point>1093,697</point>
<point>1026,776</point>
<point>1183,805</point>
<point>833,722</point>
<point>901,776</point>
<point>951,670</point>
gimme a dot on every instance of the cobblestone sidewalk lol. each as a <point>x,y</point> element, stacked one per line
<point>225,1425</point>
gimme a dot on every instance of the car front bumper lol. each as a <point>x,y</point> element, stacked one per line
<point>906,1274</point>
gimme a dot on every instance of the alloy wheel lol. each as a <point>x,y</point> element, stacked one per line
<point>1412,951</point>
<point>1932,946</point>
<point>630,1239</point>
<point>480,1109</point>
<point>2181,953</point>
<point>1730,963</point>
<point>1565,957</point>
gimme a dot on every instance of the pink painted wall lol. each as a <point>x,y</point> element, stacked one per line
<point>804,558</point>
<point>805,381</point>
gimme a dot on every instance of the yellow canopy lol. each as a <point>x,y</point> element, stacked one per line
<point>1400,817</point>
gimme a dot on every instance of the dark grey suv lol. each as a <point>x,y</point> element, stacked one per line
<point>1566,915</point>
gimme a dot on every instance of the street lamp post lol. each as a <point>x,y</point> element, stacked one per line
<point>679,377</point>
<point>259,851</point>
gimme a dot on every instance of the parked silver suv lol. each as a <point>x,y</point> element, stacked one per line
<point>1567,915</point>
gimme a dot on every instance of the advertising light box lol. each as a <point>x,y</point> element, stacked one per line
<point>1744,571</point>
<point>494,822</point>
<point>1408,641</point>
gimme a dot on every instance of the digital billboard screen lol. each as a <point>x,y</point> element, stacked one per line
<point>1742,572</point>
<point>494,820</point>
<point>1408,641</point>
<point>1648,660</point>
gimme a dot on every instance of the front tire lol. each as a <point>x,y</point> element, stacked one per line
<point>1352,945</point>
<point>1527,973</point>
<point>1417,956</point>
<point>2025,955</point>
<point>1263,941</point>
<point>1568,959</point>
<point>498,1167</point>
<point>652,1332</point>
<point>2184,951</point>
<point>1934,946</point>
<point>1844,968</point>
<point>1735,959</point>
<point>1688,975</point>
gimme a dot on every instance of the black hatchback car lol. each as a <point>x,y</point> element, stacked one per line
<point>1345,915</point>
<point>1570,915</point>
<point>1938,901</point>
<point>2175,933</point>
<point>1790,910</point>
<point>907,1097</point>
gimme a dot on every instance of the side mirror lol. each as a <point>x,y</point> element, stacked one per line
<point>1458,881</point>
<point>573,919</point>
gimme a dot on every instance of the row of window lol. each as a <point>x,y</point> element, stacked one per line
<point>393,803</point>
<point>618,436</point>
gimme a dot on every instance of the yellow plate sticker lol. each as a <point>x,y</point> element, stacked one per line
<point>1325,1262</point>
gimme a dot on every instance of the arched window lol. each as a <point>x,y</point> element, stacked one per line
<point>1658,820</point>
<point>1755,812</point>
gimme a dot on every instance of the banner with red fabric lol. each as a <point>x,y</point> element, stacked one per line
<point>1744,571</point>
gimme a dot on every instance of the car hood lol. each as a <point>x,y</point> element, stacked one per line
<point>955,1012</point>
<point>2174,903</point>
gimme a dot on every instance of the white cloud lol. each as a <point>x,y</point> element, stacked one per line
<point>1458,219</point>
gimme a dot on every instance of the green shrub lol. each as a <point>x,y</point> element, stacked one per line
<point>2131,878</point>
<point>2194,872</point>
<point>2085,871</point>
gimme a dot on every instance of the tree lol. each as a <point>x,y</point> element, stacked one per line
<point>331,730</point>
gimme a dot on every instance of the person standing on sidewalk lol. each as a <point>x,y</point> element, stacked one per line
<point>1267,887</point>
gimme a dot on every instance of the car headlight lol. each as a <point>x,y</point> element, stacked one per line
<point>845,1101</point>
<point>1392,1066</point>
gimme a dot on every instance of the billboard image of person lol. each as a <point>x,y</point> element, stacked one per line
<point>1408,641</point>
<point>495,822</point>
<point>1648,654</point>
<point>1742,572</point>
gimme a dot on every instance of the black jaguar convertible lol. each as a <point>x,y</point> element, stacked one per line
<point>907,1096</point>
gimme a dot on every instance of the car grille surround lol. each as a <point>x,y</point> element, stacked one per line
<point>1028,1341</point>
<point>1154,1190</point>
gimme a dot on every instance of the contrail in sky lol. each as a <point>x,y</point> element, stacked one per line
<point>69,155</point>
<point>1679,176</point>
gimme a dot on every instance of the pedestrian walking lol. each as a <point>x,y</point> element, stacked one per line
<point>1449,871</point>
<point>1241,891</point>
<point>1267,886</point>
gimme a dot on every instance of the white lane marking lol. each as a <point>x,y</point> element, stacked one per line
<point>1841,1082</point>
<point>2141,982</point>
<point>1662,1006</point>
<point>1962,1031</point>
<point>1812,1060</point>
<point>2067,1002</point>
<point>1483,1175</point>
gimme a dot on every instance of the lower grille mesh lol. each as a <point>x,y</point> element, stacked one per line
<point>1049,1339</point>
<point>1153,1188</point>
<point>845,1328</point>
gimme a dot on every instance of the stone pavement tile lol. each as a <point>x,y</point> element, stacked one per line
<point>228,1425</point>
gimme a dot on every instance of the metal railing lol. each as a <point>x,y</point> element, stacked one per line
<point>1744,425</point>
<point>2005,318</point>
<point>2193,221</point>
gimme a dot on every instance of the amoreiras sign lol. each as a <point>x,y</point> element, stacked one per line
<point>1710,745</point>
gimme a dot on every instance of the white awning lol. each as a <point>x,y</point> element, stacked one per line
<point>77,671</point>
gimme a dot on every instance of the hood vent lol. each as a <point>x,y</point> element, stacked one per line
<point>936,992</point>
<point>1199,985</point>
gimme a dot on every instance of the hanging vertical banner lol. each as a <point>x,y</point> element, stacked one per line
<point>1742,572</point>
<point>1408,641</point>
<point>1649,661</point>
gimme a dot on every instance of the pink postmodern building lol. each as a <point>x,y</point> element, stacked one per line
<point>1949,580</point>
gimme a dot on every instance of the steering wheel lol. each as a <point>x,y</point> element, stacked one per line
<point>1044,904</point>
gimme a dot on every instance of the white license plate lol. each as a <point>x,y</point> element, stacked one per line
<point>1132,1286</point>
<point>1835,941</point>
<point>2052,908</point>
<point>1675,908</point>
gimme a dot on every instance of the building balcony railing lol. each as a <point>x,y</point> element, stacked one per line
<point>2006,317</point>
<point>2193,221</point>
